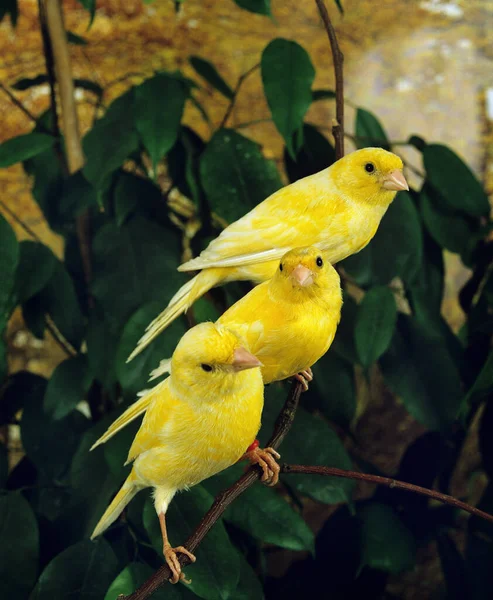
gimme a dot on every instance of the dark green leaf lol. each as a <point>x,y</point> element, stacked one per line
<point>387,543</point>
<point>133,378</point>
<point>315,154</point>
<point>77,196</point>
<point>23,147</point>
<point>67,387</point>
<point>183,163</point>
<point>333,389</point>
<point>323,95</point>
<point>339,6</point>
<point>262,513</point>
<point>17,390</point>
<point>134,575</point>
<point>34,317</point>
<point>249,587</point>
<point>134,264</point>
<point>112,139</point>
<point>9,257</point>
<point>159,104</point>
<point>101,349</point>
<point>343,343</point>
<point>19,548</point>
<point>209,72</point>
<point>375,323</point>
<point>417,142</point>
<point>75,39</point>
<point>81,572</point>
<point>4,465</point>
<point>134,194</point>
<point>483,384</point>
<point>90,6</point>
<point>235,175</point>
<point>29,82</point>
<point>9,7</point>
<point>287,77</point>
<point>454,181</point>
<point>369,131</point>
<point>35,269</point>
<point>396,249</point>
<point>216,573</point>
<point>419,368</point>
<point>261,7</point>
<point>453,567</point>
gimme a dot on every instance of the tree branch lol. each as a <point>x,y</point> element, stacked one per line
<point>224,499</point>
<point>236,91</point>
<point>338,58</point>
<point>21,107</point>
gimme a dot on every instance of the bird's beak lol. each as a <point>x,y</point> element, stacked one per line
<point>242,359</point>
<point>302,275</point>
<point>395,181</point>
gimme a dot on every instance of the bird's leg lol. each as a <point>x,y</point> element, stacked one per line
<point>170,554</point>
<point>266,459</point>
<point>304,377</point>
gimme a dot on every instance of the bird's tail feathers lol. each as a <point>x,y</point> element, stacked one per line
<point>181,301</point>
<point>125,494</point>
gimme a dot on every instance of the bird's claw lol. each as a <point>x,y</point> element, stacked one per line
<point>267,460</point>
<point>170,556</point>
<point>304,377</point>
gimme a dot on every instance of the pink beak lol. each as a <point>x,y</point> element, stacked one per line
<point>242,359</point>
<point>302,276</point>
<point>395,181</point>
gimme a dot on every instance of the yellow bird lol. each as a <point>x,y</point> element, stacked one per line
<point>199,421</point>
<point>290,321</point>
<point>338,210</point>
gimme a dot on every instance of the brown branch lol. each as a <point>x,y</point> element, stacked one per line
<point>236,91</point>
<point>388,482</point>
<point>59,339</point>
<point>21,107</point>
<point>224,499</point>
<point>19,221</point>
<point>338,58</point>
<point>50,70</point>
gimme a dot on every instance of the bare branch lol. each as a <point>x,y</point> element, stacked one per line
<point>21,106</point>
<point>338,58</point>
<point>236,91</point>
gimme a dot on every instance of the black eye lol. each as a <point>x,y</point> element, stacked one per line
<point>369,167</point>
<point>206,368</point>
<point>320,262</point>
<point>280,267</point>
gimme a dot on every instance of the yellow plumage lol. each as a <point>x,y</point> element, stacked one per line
<point>338,210</point>
<point>199,421</point>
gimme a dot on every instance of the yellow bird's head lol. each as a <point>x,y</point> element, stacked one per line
<point>369,175</point>
<point>209,362</point>
<point>304,271</point>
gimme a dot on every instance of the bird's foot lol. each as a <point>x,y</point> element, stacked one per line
<point>170,556</point>
<point>304,377</point>
<point>267,460</point>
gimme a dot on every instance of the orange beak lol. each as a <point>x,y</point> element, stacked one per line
<point>242,359</point>
<point>395,181</point>
<point>302,276</point>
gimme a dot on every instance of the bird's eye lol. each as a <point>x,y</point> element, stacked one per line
<point>320,262</point>
<point>206,368</point>
<point>280,267</point>
<point>369,167</point>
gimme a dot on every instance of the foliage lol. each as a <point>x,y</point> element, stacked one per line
<point>52,499</point>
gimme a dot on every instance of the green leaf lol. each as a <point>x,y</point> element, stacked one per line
<point>75,39</point>
<point>453,567</point>
<point>133,576</point>
<point>101,349</point>
<point>454,181</point>
<point>21,148</point>
<point>67,387</point>
<point>369,131</point>
<point>249,586</point>
<point>375,323</point>
<point>9,7</point>
<point>387,544</point>
<point>183,164</point>
<point>34,317</point>
<point>90,6</point>
<point>4,465</point>
<point>339,6</point>
<point>19,548</point>
<point>134,378</point>
<point>333,389</point>
<point>323,95</point>
<point>235,175</point>
<point>395,251</point>
<point>451,230</point>
<point>287,76</point>
<point>262,513</point>
<point>159,104</point>
<point>420,369</point>
<point>343,343</point>
<point>9,257</point>
<point>81,572</point>
<point>112,139</point>
<point>134,264</point>
<point>315,154</point>
<point>16,390</point>
<point>77,196</point>
<point>36,265</point>
<point>216,573</point>
<point>261,7</point>
<point>134,194</point>
<point>209,72</point>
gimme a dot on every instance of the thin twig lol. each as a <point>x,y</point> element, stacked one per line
<point>21,107</point>
<point>224,499</point>
<point>388,482</point>
<point>59,339</point>
<point>19,221</point>
<point>236,91</point>
<point>338,58</point>
<point>50,70</point>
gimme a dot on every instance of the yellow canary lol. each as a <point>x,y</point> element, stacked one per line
<point>199,421</point>
<point>338,210</point>
<point>290,321</point>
